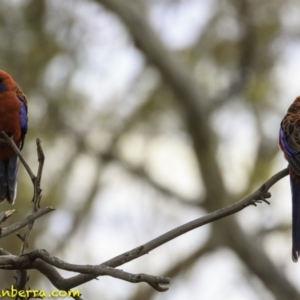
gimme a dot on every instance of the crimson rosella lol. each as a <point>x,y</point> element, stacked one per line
<point>289,142</point>
<point>13,121</point>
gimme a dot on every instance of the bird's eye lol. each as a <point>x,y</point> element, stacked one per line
<point>1,79</point>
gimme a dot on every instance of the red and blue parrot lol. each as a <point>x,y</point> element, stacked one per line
<point>289,143</point>
<point>13,121</point>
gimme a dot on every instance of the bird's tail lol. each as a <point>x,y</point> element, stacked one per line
<point>295,187</point>
<point>8,179</point>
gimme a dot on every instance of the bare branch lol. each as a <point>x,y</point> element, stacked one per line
<point>256,197</point>
<point>100,270</point>
<point>19,154</point>
<point>37,183</point>
<point>30,218</point>
<point>179,266</point>
<point>6,214</point>
<point>12,262</point>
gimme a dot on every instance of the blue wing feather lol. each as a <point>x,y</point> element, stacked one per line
<point>295,187</point>
<point>23,118</point>
<point>286,143</point>
<point>8,179</point>
<point>12,172</point>
<point>23,115</point>
<point>291,150</point>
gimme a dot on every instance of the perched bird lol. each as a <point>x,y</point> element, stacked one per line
<point>289,142</point>
<point>13,121</point>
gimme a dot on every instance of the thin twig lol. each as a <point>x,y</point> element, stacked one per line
<point>29,219</point>
<point>6,214</point>
<point>256,197</point>
<point>41,159</point>
<point>36,196</point>
<point>18,153</point>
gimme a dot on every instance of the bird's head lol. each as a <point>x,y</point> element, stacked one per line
<point>6,82</point>
<point>297,100</point>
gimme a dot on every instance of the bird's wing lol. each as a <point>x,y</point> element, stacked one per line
<point>12,172</point>
<point>290,144</point>
<point>8,179</point>
<point>23,115</point>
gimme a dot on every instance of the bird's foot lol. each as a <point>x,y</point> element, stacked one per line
<point>261,198</point>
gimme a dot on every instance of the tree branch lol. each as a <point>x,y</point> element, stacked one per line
<point>26,261</point>
<point>256,197</point>
<point>20,224</point>
<point>11,142</point>
<point>6,214</point>
<point>45,263</point>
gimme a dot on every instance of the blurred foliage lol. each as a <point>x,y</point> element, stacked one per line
<point>121,165</point>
